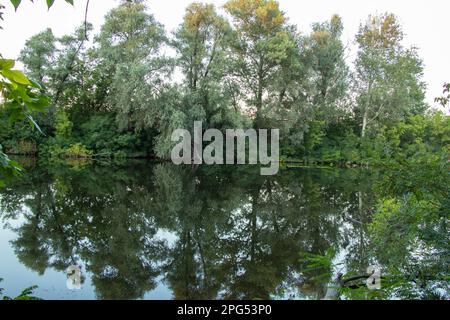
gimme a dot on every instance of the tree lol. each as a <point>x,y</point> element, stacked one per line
<point>202,43</point>
<point>310,91</point>
<point>329,70</point>
<point>129,56</point>
<point>58,64</point>
<point>38,56</point>
<point>69,65</point>
<point>260,46</point>
<point>387,78</point>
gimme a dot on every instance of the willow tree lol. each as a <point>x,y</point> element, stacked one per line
<point>131,65</point>
<point>309,91</point>
<point>261,44</point>
<point>388,82</point>
<point>330,74</point>
<point>58,64</point>
<point>202,43</point>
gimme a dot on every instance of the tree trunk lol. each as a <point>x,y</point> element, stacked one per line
<point>259,95</point>
<point>364,124</point>
<point>332,289</point>
<point>366,111</point>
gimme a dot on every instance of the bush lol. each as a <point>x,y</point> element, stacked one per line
<point>120,155</point>
<point>101,135</point>
<point>77,151</point>
<point>22,147</point>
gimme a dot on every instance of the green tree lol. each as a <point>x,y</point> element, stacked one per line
<point>330,74</point>
<point>202,43</point>
<point>38,56</point>
<point>261,44</point>
<point>19,98</point>
<point>312,86</point>
<point>129,56</point>
<point>388,82</point>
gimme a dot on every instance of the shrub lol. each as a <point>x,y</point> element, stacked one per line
<point>120,155</point>
<point>77,151</point>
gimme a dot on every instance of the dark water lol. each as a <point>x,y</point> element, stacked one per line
<point>160,231</point>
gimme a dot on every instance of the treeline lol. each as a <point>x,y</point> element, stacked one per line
<point>241,66</point>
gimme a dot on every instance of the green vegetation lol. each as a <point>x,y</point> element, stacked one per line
<point>121,96</point>
<point>407,235</point>
<point>20,98</point>
<point>116,97</point>
<point>26,294</point>
<point>232,234</point>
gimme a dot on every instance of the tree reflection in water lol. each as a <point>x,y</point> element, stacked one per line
<point>238,235</point>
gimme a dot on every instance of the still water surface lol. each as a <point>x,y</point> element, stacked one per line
<point>160,231</point>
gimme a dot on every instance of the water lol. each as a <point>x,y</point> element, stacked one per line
<point>160,231</point>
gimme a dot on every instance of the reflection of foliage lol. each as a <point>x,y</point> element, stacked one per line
<point>410,231</point>
<point>26,294</point>
<point>408,236</point>
<point>320,266</point>
<point>234,232</point>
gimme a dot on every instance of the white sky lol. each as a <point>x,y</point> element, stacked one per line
<point>426,24</point>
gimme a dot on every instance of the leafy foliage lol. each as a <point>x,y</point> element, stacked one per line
<point>260,47</point>
<point>16,3</point>
<point>255,70</point>
<point>26,294</point>
<point>123,96</point>
<point>445,99</point>
<point>388,77</point>
<point>20,98</point>
<point>410,232</point>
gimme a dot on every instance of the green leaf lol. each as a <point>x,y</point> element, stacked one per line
<point>70,1</point>
<point>15,3</point>
<point>6,64</point>
<point>35,84</point>
<point>22,93</point>
<point>50,3</point>
<point>16,76</point>
<point>15,112</point>
<point>38,104</point>
<point>28,291</point>
<point>34,123</point>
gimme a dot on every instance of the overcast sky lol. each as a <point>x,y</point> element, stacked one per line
<point>426,24</point>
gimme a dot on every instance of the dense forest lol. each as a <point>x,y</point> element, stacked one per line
<point>119,94</point>
<point>123,95</point>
